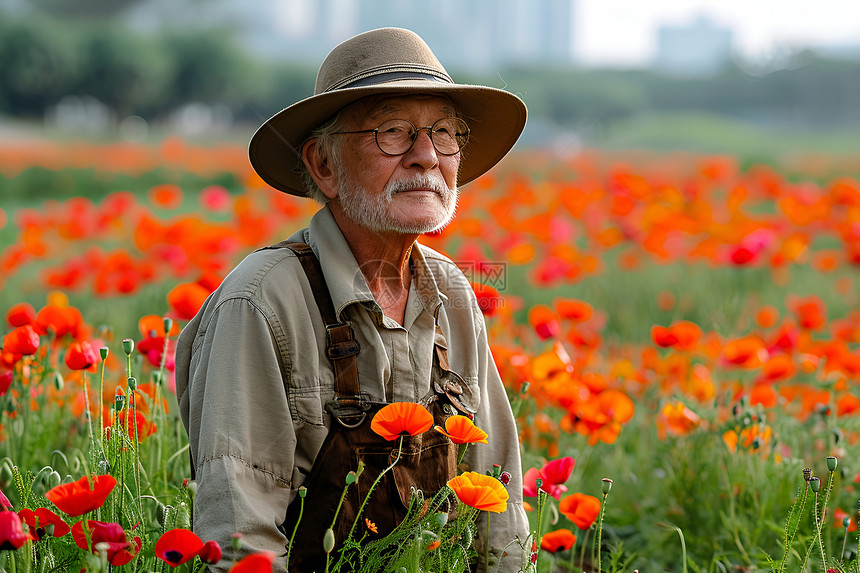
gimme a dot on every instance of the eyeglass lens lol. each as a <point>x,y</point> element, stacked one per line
<point>448,135</point>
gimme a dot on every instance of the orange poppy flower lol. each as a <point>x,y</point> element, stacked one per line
<point>677,419</point>
<point>80,497</point>
<point>186,299</point>
<point>394,419</point>
<point>153,323</point>
<point>558,540</point>
<point>581,509</point>
<point>746,352</point>
<point>255,563</point>
<point>462,430</point>
<point>572,309</point>
<point>480,491</point>
<point>370,525</point>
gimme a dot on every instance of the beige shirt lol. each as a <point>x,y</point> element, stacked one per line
<point>252,380</point>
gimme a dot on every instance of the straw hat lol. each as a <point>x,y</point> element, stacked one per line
<point>385,61</point>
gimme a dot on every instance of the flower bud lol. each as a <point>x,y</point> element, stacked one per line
<point>132,383</point>
<point>103,352</point>
<point>162,512</point>
<point>168,324</point>
<point>538,483</point>
<point>606,485</point>
<point>497,471</point>
<point>831,463</point>
<point>807,473</point>
<point>441,518</point>
<point>303,491</point>
<point>351,478</point>
<point>328,540</point>
<point>128,346</point>
<point>118,399</point>
<point>815,483</point>
<point>846,521</point>
<point>236,541</point>
<point>59,383</point>
<point>53,479</point>
<point>192,487</point>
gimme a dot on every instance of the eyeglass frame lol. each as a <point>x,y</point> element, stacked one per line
<point>414,136</point>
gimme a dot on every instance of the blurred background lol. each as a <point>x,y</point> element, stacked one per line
<point>755,78</point>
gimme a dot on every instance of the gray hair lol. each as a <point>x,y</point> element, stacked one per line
<point>328,147</point>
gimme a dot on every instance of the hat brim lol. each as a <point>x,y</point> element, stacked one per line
<point>496,119</point>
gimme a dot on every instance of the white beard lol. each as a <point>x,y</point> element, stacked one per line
<point>372,212</point>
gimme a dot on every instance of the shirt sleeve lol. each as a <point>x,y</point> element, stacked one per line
<point>240,431</point>
<point>510,528</point>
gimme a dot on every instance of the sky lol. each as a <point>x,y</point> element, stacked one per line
<point>623,32</point>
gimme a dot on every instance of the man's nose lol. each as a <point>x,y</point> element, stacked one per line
<point>422,154</point>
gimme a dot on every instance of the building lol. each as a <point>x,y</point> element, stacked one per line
<point>700,48</point>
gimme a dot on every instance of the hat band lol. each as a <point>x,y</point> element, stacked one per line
<point>391,77</point>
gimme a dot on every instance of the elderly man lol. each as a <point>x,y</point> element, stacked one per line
<point>280,372</point>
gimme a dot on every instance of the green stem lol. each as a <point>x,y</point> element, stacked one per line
<point>818,533</point>
<point>790,537</point>
<point>295,530</point>
<point>487,545</point>
<point>373,486</point>
<point>600,533</point>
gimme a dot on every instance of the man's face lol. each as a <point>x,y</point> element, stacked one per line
<point>412,193</point>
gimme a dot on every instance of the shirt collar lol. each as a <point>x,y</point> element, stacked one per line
<point>345,282</point>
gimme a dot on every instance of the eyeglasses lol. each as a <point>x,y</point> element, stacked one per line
<point>397,136</point>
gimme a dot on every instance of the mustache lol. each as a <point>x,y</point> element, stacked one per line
<point>419,181</point>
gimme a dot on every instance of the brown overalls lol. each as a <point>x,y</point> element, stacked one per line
<point>427,461</point>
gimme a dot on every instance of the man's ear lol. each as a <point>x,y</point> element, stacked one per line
<point>320,168</point>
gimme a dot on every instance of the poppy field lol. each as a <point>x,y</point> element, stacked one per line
<point>678,335</point>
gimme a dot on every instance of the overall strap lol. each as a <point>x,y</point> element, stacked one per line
<point>341,346</point>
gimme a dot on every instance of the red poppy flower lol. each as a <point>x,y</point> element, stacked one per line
<point>544,321</point>
<point>21,314</point>
<point>559,540</point>
<point>557,471</point>
<point>581,509</point>
<point>6,377</point>
<point>41,518</point>
<point>4,501</point>
<point>255,563</point>
<point>394,419</point>
<point>81,356</point>
<point>22,341</point>
<point>12,535</point>
<point>177,546</point>
<point>553,475</point>
<point>480,491</point>
<point>489,299</point>
<point>211,553</point>
<point>119,549</point>
<point>462,430</point>
<point>145,427</point>
<point>79,497</point>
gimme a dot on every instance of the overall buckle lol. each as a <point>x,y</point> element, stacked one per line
<point>343,409</point>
